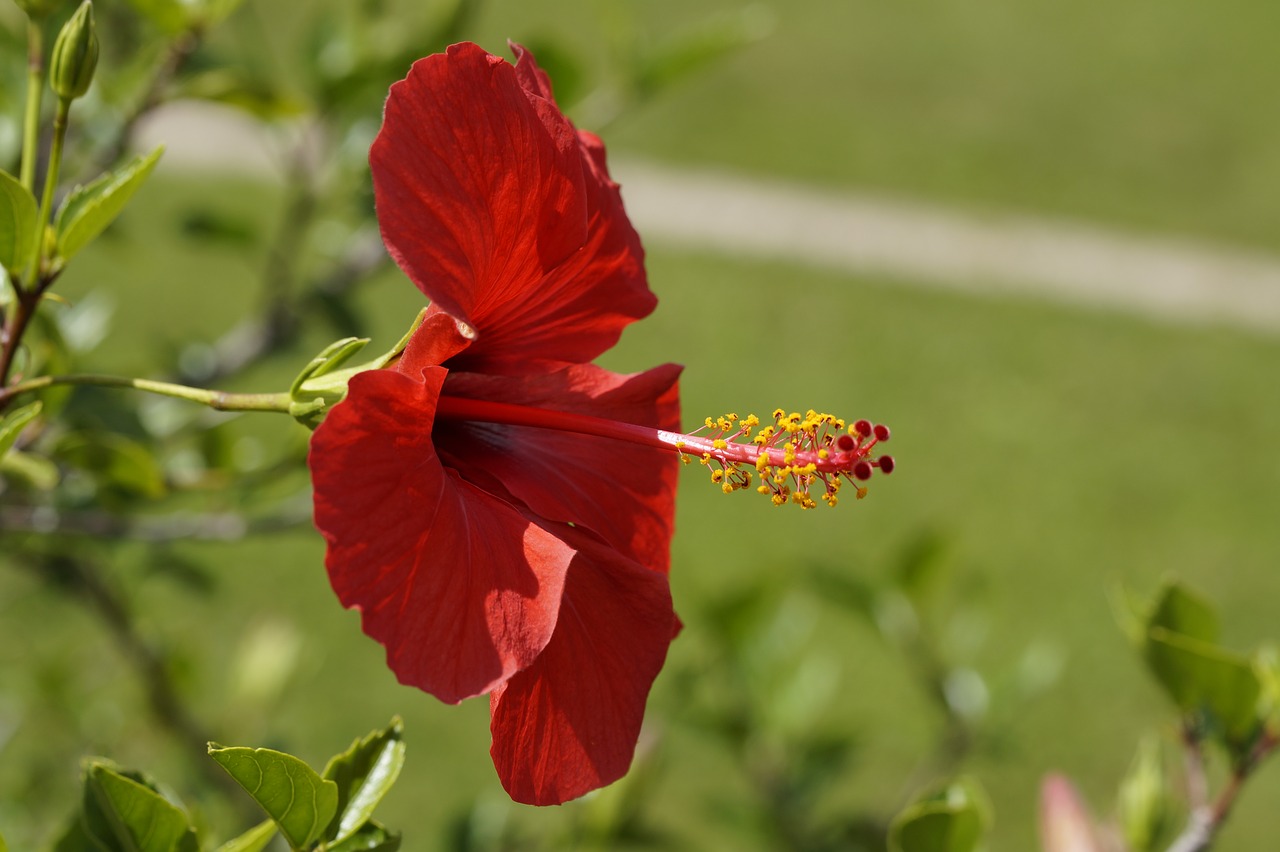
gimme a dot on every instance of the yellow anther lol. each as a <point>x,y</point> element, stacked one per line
<point>862,491</point>
<point>717,475</point>
<point>720,443</point>
<point>709,423</point>
<point>823,454</point>
<point>762,462</point>
<point>727,488</point>
<point>706,458</point>
<point>778,414</point>
<point>763,489</point>
<point>751,422</point>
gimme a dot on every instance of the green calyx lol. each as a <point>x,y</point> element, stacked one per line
<point>322,384</point>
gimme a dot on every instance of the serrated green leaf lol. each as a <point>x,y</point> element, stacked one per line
<point>12,424</point>
<point>300,801</point>
<point>89,209</point>
<point>253,840</point>
<point>1201,677</point>
<point>122,814</point>
<point>371,837</point>
<point>953,818</point>
<point>1180,610</point>
<point>364,773</point>
<point>19,218</point>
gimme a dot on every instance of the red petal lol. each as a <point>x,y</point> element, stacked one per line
<point>461,588</point>
<point>623,492</point>
<point>568,724</point>
<point>490,202</point>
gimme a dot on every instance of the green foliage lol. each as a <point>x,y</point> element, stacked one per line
<point>125,812</point>
<point>1218,690</point>
<point>89,209</point>
<point>12,424</point>
<point>364,773</point>
<point>299,801</point>
<point>18,224</point>
<point>953,818</point>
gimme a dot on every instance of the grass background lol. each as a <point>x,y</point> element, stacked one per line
<point>1055,451</point>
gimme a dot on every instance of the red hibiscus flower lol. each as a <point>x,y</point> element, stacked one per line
<point>523,562</point>
<point>498,508</point>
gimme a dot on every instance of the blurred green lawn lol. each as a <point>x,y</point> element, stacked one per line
<point>1055,450</point>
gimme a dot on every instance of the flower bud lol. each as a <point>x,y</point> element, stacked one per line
<point>75,55</point>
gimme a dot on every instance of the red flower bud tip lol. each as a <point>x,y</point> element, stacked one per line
<point>885,463</point>
<point>862,427</point>
<point>862,470</point>
<point>881,432</point>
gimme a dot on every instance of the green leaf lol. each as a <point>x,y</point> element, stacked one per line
<point>19,220</point>
<point>300,801</point>
<point>1180,610</point>
<point>371,837</point>
<point>115,461</point>
<point>124,814</point>
<point>37,471</point>
<point>89,209</point>
<point>1201,677</point>
<point>952,819</point>
<point>364,773</point>
<point>12,424</point>
<point>253,840</point>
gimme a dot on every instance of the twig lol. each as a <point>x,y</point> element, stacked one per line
<point>1206,818</point>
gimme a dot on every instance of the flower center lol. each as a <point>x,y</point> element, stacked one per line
<point>792,458</point>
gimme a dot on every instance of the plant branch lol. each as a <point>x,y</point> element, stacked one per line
<point>215,399</point>
<point>1207,818</point>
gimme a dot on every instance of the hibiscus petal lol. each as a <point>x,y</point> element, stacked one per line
<point>492,205</point>
<point>460,587</point>
<point>568,724</point>
<point>624,493</point>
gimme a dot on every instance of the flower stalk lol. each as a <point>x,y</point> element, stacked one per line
<point>35,92</point>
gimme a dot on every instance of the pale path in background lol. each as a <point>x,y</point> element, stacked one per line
<point>910,241</point>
